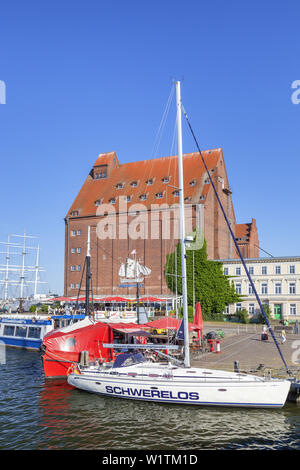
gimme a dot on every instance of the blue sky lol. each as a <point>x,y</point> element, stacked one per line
<point>84,78</point>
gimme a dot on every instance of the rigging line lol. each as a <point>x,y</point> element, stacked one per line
<point>161,126</point>
<point>235,243</point>
<point>263,250</point>
<point>162,122</point>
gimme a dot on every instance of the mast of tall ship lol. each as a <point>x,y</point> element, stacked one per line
<point>182,230</point>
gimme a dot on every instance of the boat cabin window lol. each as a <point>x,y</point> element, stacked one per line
<point>9,330</point>
<point>125,360</point>
<point>21,331</point>
<point>34,332</point>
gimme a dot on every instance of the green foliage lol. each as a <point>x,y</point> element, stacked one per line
<point>32,309</point>
<point>267,310</point>
<point>43,308</point>
<point>212,288</point>
<point>243,315</point>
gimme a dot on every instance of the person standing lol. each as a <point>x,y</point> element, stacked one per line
<point>283,336</point>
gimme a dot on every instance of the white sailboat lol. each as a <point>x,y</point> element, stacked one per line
<point>131,376</point>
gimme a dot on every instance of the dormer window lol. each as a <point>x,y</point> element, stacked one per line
<point>159,195</point>
<point>206,181</point>
<point>128,198</point>
<point>176,193</point>
<point>100,174</point>
<point>98,202</point>
<point>166,179</point>
<point>112,200</point>
<point>120,185</point>
<point>143,197</point>
<point>150,181</point>
<point>187,199</point>
<point>192,183</point>
<point>74,213</point>
<point>202,197</point>
<point>134,184</point>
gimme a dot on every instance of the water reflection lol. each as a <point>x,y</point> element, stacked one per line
<point>49,414</point>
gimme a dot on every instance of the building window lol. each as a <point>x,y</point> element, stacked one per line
<point>277,269</point>
<point>102,174</point>
<point>292,288</point>
<point>238,288</point>
<point>73,250</point>
<point>112,200</point>
<point>149,182</point>
<point>207,181</point>
<point>226,271</point>
<point>238,271</point>
<point>264,270</point>
<point>98,202</point>
<point>192,183</point>
<point>187,199</point>
<point>74,213</point>
<point>292,269</point>
<point>166,179</point>
<point>72,286</point>
<point>73,268</point>
<point>251,270</point>
<point>159,195</point>
<point>238,307</point>
<point>143,197</point>
<point>134,184</point>
<point>250,289</point>
<point>264,288</point>
<point>176,193</point>
<point>292,309</point>
<point>78,250</point>
<point>78,232</point>
<point>251,309</point>
<point>73,233</point>
<point>78,268</point>
<point>119,185</point>
<point>278,288</point>
<point>128,198</point>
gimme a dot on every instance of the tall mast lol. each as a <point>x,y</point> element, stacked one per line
<point>182,231</point>
<point>88,273</point>
<point>36,271</point>
<point>6,270</point>
<point>22,277</point>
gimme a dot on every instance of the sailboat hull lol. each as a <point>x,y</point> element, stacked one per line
<point>205,388</point>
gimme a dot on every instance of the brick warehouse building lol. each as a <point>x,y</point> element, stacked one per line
<point>138,197</point>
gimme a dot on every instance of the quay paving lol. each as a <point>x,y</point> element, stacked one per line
<point>250,351</point>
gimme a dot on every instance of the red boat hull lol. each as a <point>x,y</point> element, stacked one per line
<point>62,348</point>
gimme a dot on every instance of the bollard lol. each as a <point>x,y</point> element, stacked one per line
<point>218,347</point>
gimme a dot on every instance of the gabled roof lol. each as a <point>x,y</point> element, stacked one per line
<point>243,231</point>
<point>120,179</point>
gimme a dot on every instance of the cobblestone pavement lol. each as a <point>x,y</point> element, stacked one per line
<point>248,349</point>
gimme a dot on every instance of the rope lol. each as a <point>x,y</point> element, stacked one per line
<point>235,243</point>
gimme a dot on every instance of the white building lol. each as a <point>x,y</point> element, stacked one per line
<point>276,280</point>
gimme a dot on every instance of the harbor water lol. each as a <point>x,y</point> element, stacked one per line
<point>39,414</point>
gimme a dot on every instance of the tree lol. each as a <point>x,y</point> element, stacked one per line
<point>213,288</point>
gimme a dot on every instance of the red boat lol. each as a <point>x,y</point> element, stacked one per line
<point>63,347</point>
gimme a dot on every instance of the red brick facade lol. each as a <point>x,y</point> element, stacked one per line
<point>151,182</point>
